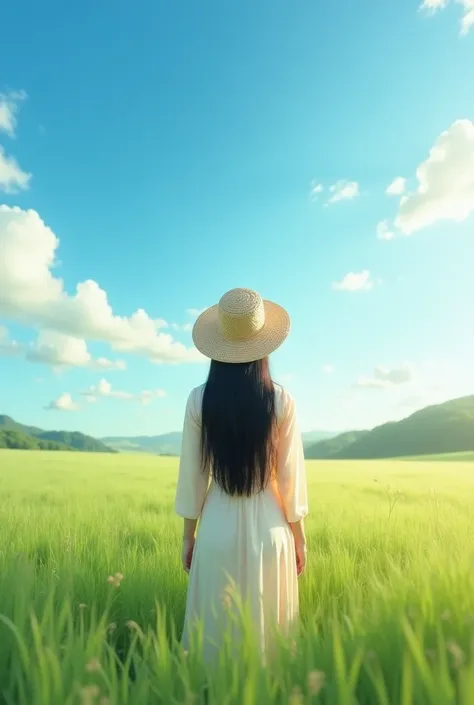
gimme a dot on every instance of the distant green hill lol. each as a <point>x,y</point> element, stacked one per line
<point>444,428</point>
<point>21,441</point>
<point>76,440</point>
<point>9,424</point>
<point>165,444</point>
<point>312,437</point>
<point>16,435</point>
<point>333,446</point>
<point>170,443</point>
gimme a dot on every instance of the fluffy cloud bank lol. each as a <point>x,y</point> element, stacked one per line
<point>60,350</point>
<point>445,185</point>
<point>31,293</point>
<point>445,182</point>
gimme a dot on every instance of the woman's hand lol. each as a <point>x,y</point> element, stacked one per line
<point>301,554</point>
<point>299,537</point>
<point>187,552</point>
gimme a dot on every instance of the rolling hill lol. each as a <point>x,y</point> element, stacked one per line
<point>331,446</point>
<point>17,435</point>
<point>435,430</point>
<point>22,441</point>
<point>444,428</point>
<point>165,444</point>
<point>170,443</point>
<point>9,424</point>
<point>310,437</point>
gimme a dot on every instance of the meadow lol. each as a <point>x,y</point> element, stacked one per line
<point>387,600</point>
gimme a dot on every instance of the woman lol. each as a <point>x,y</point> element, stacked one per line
<point>242,475</point>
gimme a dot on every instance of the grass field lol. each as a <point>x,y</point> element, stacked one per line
<point>387,601</point>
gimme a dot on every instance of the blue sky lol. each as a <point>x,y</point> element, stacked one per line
<point>159,156</point>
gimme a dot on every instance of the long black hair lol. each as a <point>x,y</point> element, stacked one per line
<point>239,426</point>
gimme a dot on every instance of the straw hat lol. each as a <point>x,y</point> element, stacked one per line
<point>242,327</point>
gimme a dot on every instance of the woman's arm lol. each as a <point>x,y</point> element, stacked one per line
<point>291,476</point>
<point>193,482</point>
<point>189,529</point>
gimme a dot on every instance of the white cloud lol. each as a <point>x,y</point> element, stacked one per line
<point>55,349</point>
<point>9,106</point>
<point>315,190</point>
<point>32,294</point>
<point>12,176</point>
<point>147,395</point>
<point>467,20</point>
<point>103,363</point>
<point>395,375</point>
<point>384,231</point>
<point>433,4</point>
<point>63,403</point>
<point>195,312</point>
<point>355,281</point>
<point>184,327</point>
<point>58,350</point>
<point>397,187</point>
<point>8,347</point>
<point>104,389</point>
<point>445,182</point>
<point>343,190</point>
<point>385,378</point>
<point>327,369</point>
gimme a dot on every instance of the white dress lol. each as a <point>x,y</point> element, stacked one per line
<point>245,542</point>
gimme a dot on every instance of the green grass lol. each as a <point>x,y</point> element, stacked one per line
<point>387,601</point>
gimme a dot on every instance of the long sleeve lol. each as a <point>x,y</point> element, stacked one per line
<point>291,472</point>
<point>193,483</point>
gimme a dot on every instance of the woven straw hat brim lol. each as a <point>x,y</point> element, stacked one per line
<point>210,341</point>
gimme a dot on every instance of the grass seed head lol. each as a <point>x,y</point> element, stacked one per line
<point>93,666</point>
<point>133,626</point>
<point>89,694</point>
<point>115,580</point>
<point>316,680</point>
<point>458,655</point>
